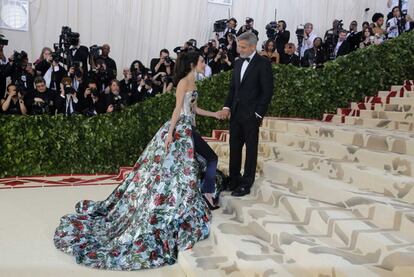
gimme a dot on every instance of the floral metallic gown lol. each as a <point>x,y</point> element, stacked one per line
<point>155,212</point>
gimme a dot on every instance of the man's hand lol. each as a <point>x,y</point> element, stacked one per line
<point>110,109</point>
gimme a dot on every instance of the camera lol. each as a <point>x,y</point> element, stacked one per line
<point>220,25</point>
<point>19,58</point>
<point>300,34</point>
<point>3,41</point>
<point>192,44</point>
<point>166,79</point>
<point>148,82</point>
<point>67,37</point>
<point>94,92</point>
<point>249,21</point>
<point>168,60</point>
<point>39,108</point>
<point>223,47</point>
<point>271,29</point>
<point>94,51</point>
<point>117,103</point>
<point>56,56</point>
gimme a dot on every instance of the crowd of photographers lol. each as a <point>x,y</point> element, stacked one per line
<point>74,79</point>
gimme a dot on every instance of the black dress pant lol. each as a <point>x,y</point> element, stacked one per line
<point>204,150</point>
<point>243,131</point>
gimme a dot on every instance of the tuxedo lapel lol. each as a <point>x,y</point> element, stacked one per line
<point>237,71</point>
<point>252,63</point>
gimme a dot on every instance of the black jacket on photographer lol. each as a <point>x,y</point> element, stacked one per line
<point>118,101</point>
<point>314,57</point>
<point>290,59</point>
<point>91,107</point>
<point>80,54</point>
<point>127,86</point>
<point>110,66</point>
<point>354,39</point>
<point>282,38</point>
<point>48,107</point>
<point>67,105</point>
<point>19,76</point>
<point>162,67</point>
<point>102,78</point>
<point>53,77</point>
<point>244,29</point>
<point>220,65</point>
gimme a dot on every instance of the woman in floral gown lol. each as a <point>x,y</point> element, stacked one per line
<point>158,209</point>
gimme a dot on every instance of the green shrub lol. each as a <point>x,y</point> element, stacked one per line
<point>37,145</point>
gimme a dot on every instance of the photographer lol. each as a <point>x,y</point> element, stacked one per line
<point>99,73</point>
<point>282,36</point>
<point>308,38</point>
<point>126,85</point>
<point>289,57</point>
<point>145,88</point>
<point>92,104</point>
<point>67,102</point>
<point>398,24</point>
<point>110,63</point>
<point>231,46</point>
<point>78,53</point>
<point>43,99</point>
<point>368,38</point>
<point>221,62</point>
<point>248,27</point>
<point>55,72</point>
<point>163,64</point>
<point>75,73</point>
<point>162,83</point>
<point>13,101</point>
<point>316,56</point>
<point>231,25</point>
<point>20,71</point>
<point>270,53</point>
<point>42,64</point>
<point>209,51</point>
<point>402,4</point>
<point>334,32</point>
<point>342,46</point>
<point>115,99</point>
<point>354,37</point>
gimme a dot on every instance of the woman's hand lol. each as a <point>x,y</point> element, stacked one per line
<point>168,141</point>
<point>218,115</point>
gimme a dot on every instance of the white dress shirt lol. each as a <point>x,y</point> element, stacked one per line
<point>245,65</point>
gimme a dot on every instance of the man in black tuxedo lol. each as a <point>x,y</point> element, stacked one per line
<point>80,54</point>
<point>250,93</point>
<point>342,46</point>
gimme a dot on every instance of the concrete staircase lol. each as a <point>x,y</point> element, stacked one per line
<point>330,199</point>
<point>393,110</point>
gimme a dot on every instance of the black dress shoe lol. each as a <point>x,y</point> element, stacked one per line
<point>241,191</point>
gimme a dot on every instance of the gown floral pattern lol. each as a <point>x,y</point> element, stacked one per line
<point>155,212</point>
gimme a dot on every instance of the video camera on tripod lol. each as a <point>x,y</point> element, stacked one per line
<point>67,38</point>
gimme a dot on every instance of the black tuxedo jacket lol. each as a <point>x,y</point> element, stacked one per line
<point>254,93</point>
<point>344,49</point>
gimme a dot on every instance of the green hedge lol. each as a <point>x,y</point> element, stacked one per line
<point>37,145</point>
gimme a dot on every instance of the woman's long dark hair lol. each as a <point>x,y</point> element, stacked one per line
<point>183,65</point>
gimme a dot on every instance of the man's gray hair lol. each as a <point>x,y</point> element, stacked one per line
<point>250,37</point>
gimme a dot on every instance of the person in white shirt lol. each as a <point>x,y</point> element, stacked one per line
<point>397,24</point>
<point>394,3</point>
<point>308,38</point>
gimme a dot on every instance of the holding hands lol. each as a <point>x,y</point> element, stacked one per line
<point>223,114</point>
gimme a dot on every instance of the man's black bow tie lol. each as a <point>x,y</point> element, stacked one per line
<point>245,59</point>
